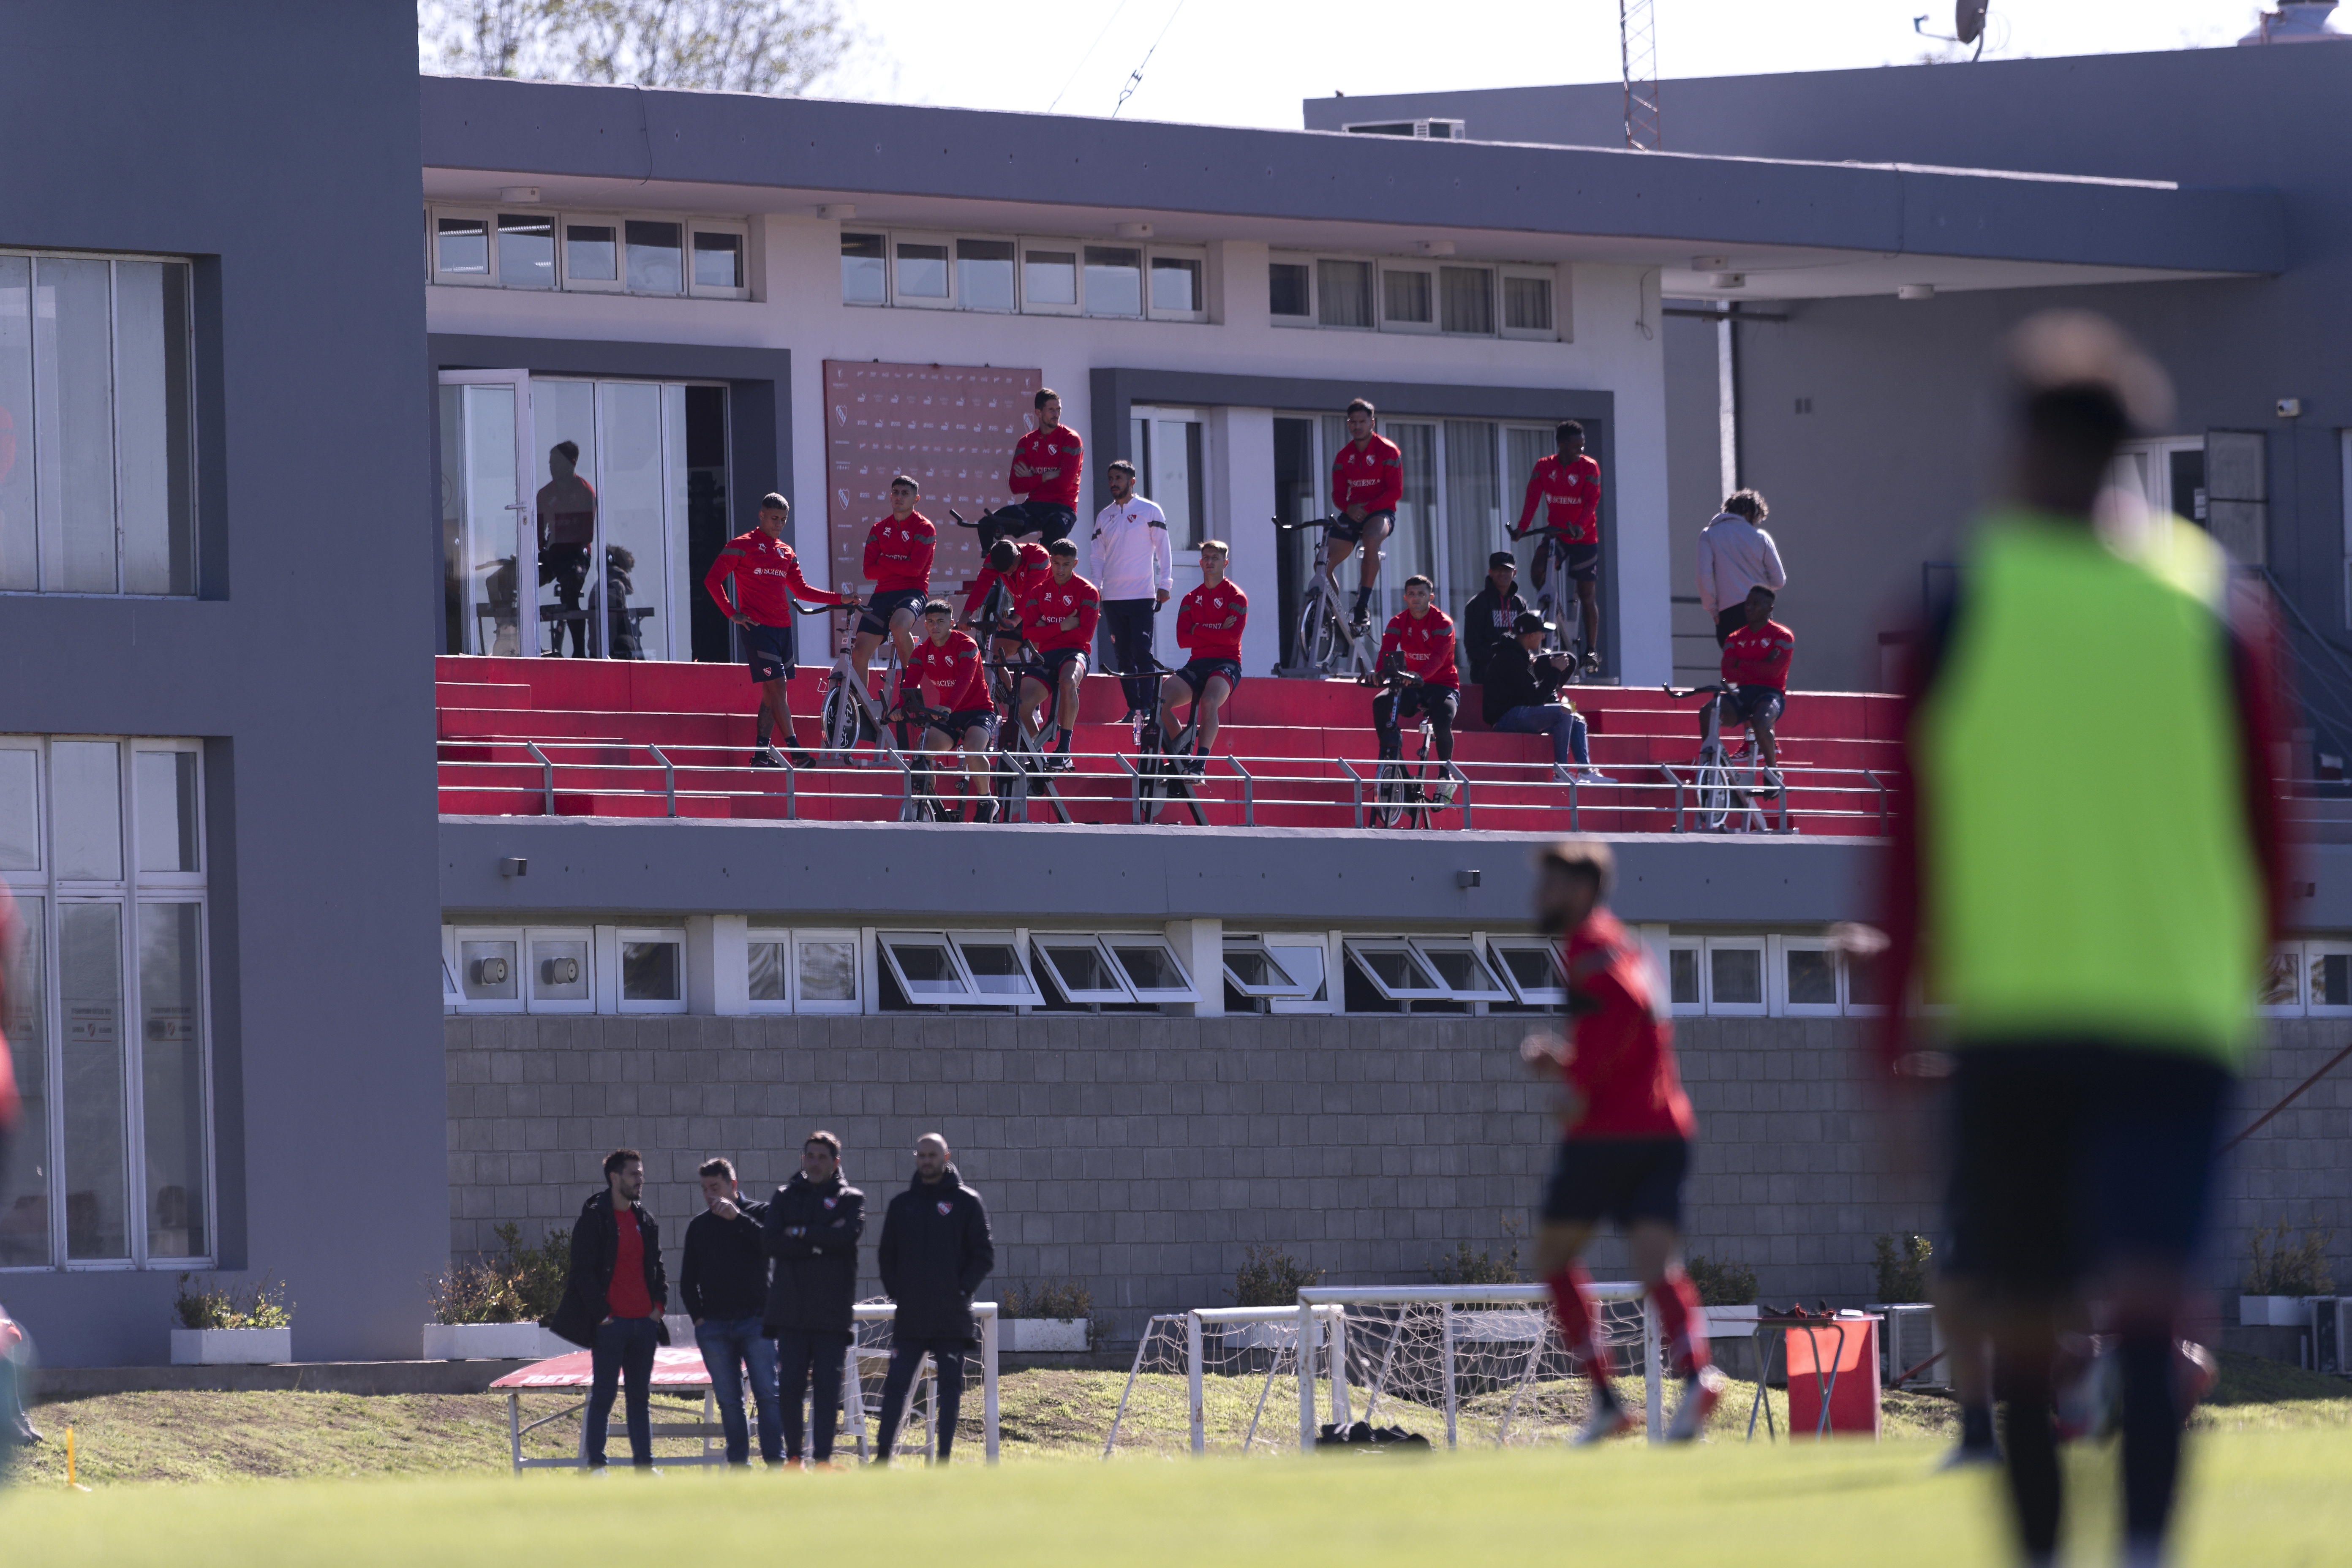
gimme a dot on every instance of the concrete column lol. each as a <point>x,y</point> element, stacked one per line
<point>1201,945</point>
<point>1240,505</point>
<point>718,965</point>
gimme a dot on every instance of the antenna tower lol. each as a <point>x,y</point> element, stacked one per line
<point>1637,47</point>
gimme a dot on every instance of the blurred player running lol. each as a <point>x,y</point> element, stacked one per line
<point>1624,1146</point>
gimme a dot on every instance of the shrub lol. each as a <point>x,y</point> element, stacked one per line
<point>1269,1277</point>
<point>1050,1298</point>
<point>1720,1282</point>
<point>2276,1268</point>
<point>516,1284</point>
<point>209,1304</point>
<point>1467,1267</point>
<point>1902,1266</point>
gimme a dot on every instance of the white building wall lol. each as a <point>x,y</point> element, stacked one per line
<point>1615,347</point>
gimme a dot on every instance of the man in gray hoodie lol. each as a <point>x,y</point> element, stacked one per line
<point>1735,555</point>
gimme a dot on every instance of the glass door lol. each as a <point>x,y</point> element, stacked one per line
<point>487,521</point>
<point>1172,467</point>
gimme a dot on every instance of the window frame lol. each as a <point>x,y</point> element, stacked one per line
<point>1002,937</point>
<point>1142,279</point>
<point>1293,991</point>
<point>1494,298</point>
<point>521,1002</point>
<point>862,981</point>
<point>1550,276</point>
<point>1357,947</point>
<point>842,296</point>
<point>943,237</point>
<point>1500,990</point>
<point>1371,264</point>
<point>555,224</point>
<point>1428,271</point>
<point>1697,946</point>
<point>1776,988</point>
<point>622,937</point>
<point>1022,248</point>
<point>490,221</point>
<point>532,1001</point>
<point>618,224</point>
<point>1303,259</point>
<point>1190,990</point>
<point>742,233</point>
<point>1759,945</point>
<point>2293,951</point>
<point>133,747</point>
<point>1044,941</point>
<point>2313,950</point>
<point>1530,995</point>
<point>1311,1005</point>
<point>886,946</point>
<point>1198,255</point>
<point>955,262</point>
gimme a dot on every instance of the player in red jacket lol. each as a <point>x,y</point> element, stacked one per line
<point>946,677</point>
<point>1209,622</point>
<point>1755,666</point>
<point>1047,464</point>
<point>1419,646</point>
<point>1367,482</point>
<point>898,563</point>
<point>1018,567</point>
<point>1058,613</point>
<point>1565,489</point>
<point>757,583</point>
<point>1625,1132</point>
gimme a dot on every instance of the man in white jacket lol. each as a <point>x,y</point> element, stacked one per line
<point>1134,569</point>
<point>1735,555</point>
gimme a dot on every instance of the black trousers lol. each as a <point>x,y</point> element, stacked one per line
<point>1126,627</point>
<point>947,1357</point>
<point>812,1362</point>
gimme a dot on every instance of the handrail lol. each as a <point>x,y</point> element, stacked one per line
<point>1357,780</point>
<point>1675,779</point>
<point>1249,792</point>
<point>670,778</point>
<point>546,777</point>
<point>1464,780</point>
<point>1135,790</point>
<point>1880,785</point>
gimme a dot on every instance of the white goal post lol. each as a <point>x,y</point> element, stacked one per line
<point>870,1344</point>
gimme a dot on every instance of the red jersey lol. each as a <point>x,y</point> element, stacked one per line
<point>1058,450</point>
<point>1427,645</point>
<point>1034,561</point>
<point>1759,656</point>
<point>898,554</point>
<point>1047,603</point>
<point>950,673</point>
<point>1621,1055</point>
<point>1200,620</point>
<point>1569,494</point>
<point>1372,476</point>
<point>627,1297</point>
<point>767,578</point>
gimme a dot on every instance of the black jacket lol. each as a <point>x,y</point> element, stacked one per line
<point>1486,622</point>
<point>935,1252</point>
<point>1515,679</point>
<point>725,1271</point>
<point>812,1231</point>
<point>595,1241</point>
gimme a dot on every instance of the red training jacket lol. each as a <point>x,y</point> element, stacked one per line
<point>1427,645</point>
<point>767,578</point>
<point>949,674</point>
<point>1569,494</point>
<point>898,554</point>
<point>1759,656</point>
<point>1197,619</point>
<point>1048,601</point>
<point>1033,559</point>
<point>1621,1055</point>
<point>1371,478</point>
<point>1059,449</point>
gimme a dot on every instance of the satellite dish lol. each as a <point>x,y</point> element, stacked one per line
<point>1968,19</point>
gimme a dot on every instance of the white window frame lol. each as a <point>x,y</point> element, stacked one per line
<point>622,937</point>
<point>1196,254</point>
<point>1305,260</point>
<point>192,880</point>
<point>532,1001</point>
<point>742,233</point>
<point>769,936</point>
<point>1529,996</point>
<point>1293,991</point>
<point>887,943</point>
<point>1776,988</point>
<point>1034,996</point>
<point>955,283</point>
<point>2293,951</point>
<point>899,296</point>
<point>1380,290</point>
<point>1078,249</point>
<point>884,303</point>
<point>459,936</point>
<point>858,964</point>
<point>1142,279</point>
<point>1046,941</point>
<point>555,221</point>
<point>489,220</point>
<point>453,1000</point>
<point>1697,947</point>
<point>1358,947</point>
<point>1326,948</point>
<point>1553,278</point>
<point>1494,295</point>
<point>619,225</point>
<point>1188,992</point>
<point>1497,991</point>
<point>1315,292</point>
<point>2313,952</point>
<point>1762,947</point>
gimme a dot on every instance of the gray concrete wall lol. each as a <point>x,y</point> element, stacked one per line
<point>1143,1155</point>
<point>277,144</point>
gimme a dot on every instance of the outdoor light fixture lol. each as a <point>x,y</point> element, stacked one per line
<point>1134,231</point>
<point>1709,263</point>
<point>1726,280</point>
<point>490,972</point>
<point>518,193</point>
<point>514,865</point>
<point>2290,407</point>
<point>1436,247</point>
<point>559,972</point>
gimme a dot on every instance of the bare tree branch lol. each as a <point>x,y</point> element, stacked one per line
<point>779,46</point>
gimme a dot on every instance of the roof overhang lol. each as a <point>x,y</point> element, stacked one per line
<point>1794,230</point>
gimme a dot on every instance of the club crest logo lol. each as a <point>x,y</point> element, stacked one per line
<point>947,1208</point>
<point>830,1201</point>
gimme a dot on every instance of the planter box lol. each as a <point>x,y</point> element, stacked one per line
<point>1044,1334</point>
<point>2275,1311</point>
<point>1729,1322</point>
<point>231,1347</point>
<point>491,1342</point>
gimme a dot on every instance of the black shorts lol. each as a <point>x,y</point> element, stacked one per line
<point>1755,704</point>
<point>1353,532</point>
<point>1580,562</point>
<point>1196,674</point>
<point>956,725</point>
<point>876,619</point>
<point>1618,1179</point>
<point>769,650</point>
<point>1050,662</point>
<point>1391,709</point>
<point>2068,1154</point>
<point>1047,521</point>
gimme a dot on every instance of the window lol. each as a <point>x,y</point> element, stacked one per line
<point>490,969</point>
<point>1150,968</point>
<point>1254,972</point>
<point>920,273</point>
<point>112,1166</point>
<point>721,269</point>
<point>655,265</point>
<point>2328,971</point>
<point>1397,973</point>
<point>2281,992</point>
<point>1405,299</point>
<point>1286,290</point>
<point>461,247</point>
<point>1532,968</point>
<point>1344,293</point>
<point>925,966</point>
<point>1114,280</point>
<point>1527,305</point>
<point>984,274</point>
<point>1686,992</point>
<point>802,971</point>
<point>526,250</point>
<point>557,978</point>
<point>999,974</point>
<point>1457,963</point>
<point>1080,970</point>
<point>591,255</point>
<point>1049,280</point>
<point>652,971</point>
<point>1805,977</point>
<point>1466,299</point>
<point>1735,974</point>
<point>1307,961</point>
<point>96,394</point>
<point>967,968</point>
<point>864,269</point>
<point>1177,285</point>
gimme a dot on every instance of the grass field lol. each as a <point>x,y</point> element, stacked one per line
<point>411,1479</point>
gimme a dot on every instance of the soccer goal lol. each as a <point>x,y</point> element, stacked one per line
<point>869,1362</point>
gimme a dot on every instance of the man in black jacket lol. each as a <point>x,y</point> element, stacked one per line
<point>811,1229</point>
<point>1521,696</point>
<point>613,1303</point>
<point>1486,618</point>
<point>935,1252</point>
<point>723,1285</point>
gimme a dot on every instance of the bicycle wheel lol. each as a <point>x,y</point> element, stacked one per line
<point>1715,791</point>
<point>841,719</point>
<point>1395,793</point>
<point>1321,639</point>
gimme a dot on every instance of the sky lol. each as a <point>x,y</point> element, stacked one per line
<point>1249,62</point>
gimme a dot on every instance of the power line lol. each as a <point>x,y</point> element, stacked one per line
<point>1088,56</point>
<point>1135,79</point>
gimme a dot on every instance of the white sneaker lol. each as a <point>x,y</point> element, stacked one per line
<point>1592,775</point>
<point>1440,793</point>
<point>1699,1401</point>
<point>1603,1423</point>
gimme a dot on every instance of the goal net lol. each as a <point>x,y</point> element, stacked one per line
<point>1456,1364</point>
<point>868,1363</point>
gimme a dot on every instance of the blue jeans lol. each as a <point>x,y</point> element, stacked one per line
<point>811,1364</point>
<point>1564,725</point>
<point>731,1348</point>
<point>623,1351</point>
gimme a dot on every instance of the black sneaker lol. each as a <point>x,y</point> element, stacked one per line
<point>1059,762</point>
<point>767,757</point>
<point>984,810</point>
<point>800,759</point>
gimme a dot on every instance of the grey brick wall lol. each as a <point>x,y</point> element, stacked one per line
<point>1143,1154</point>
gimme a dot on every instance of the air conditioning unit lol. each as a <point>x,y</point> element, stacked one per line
<point>1908,1337</point>
<point>1428,130</point>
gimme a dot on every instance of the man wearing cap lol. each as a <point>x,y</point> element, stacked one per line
<point>757,583</point>
<point>1487,618</point>
<point>1521,696</point>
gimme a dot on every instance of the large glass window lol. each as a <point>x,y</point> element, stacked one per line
<point>657,265</point>
<point>527,250</point>
<point>1114,280</point>
<point>112,1164</point>
<point>984,274</point>
<point>97,491</point>
<point>864,269</point>
<point>1344,293</point>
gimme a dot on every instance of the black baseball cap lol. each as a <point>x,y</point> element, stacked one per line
<point>1502,558</point>
<point>1528,621</point>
